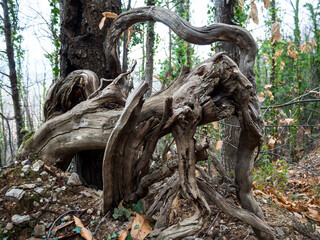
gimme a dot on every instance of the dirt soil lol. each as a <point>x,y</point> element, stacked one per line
<point>51,204</point>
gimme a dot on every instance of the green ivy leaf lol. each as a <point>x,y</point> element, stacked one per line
<point>138,207</point>
<point>77,229</point>
<point>114,235</point>
<point>137,226</point>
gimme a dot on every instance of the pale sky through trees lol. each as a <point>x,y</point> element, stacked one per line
<point>34,13</point>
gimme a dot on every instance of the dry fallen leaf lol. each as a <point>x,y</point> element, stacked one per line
<point>105,16</point>
<point>85,233</point>
<point>109,14</point>
<point>123,234</point>
<point>101,24</point>
<point>62,226</point>
<point>288,121</point>
<point>219,145</point>
<point>275,32</point>
<point>215,125</point>
<point>266,3</point>
<point>271,142</point>
<point>261,99</point>
<point>140,227</point>
<point>240,3</point>
<point>254,12</point>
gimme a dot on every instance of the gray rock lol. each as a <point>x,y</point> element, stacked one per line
<point>86,193</point>
<point>37,214</point>
<point>21,174</point>
<point>39,230</point>
<point>15,193</point>
<point>9,226</point>
<point>43,173</point>
<point>37,165</point>
<point>74,180</point>
<point>39,190</point>
<point>279,231</point>
<point>25,168</point>
<point>39,180</point>
<point>26,162</point>
<point>28,186</point>
<point>20,221</point>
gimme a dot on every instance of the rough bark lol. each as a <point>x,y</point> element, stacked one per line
<point>82,48</point>
<point>81,38</point>
<point>224,13</point>
<point>12,71</point>
<point>150,51</point>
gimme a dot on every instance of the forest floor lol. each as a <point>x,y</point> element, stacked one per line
<point>43,203</point>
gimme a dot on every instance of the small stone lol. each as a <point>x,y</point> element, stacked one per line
<point>39,180</point>
<point>48,186</point>
<point>74,180</point>
<point>87,194</point>
<point>58,190</point>
<point>279,231</point>
<point>28,186</point>
<point>89,211</point>
<point>26,162</point>
<point>223,227</point>
<point>20,221</point>
<point>25,168</point>
<point>39,230</point>
<point>9,226</point>
<point>21,174</point>
<point>36,204</point>
<point>264,201</point>
<point>15,193</point>
<point>63,188</point>
<point>43,173</point>
<point>37,214</point>
<point>37,165</point>
<point>39,190</point>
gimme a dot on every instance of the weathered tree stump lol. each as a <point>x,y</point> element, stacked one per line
<point>83,116</point>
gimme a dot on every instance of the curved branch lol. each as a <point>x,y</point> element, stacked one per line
<point>291,103</point>
<point>197,35</point>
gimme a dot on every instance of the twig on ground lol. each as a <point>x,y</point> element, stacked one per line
<point>213,222</point>
<point>104,217</point>
<point>61,216</point>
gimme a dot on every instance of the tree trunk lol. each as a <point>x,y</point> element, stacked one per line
<point>81,38</point>
<point>224,13</point>
<point>82,48</point>
<point>125,46</point>
<point>149,51</point>
<point>12,72</point>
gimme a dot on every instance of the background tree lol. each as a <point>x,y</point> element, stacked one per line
<point>10,21</point>
<point>225,13</point>
<point>82,44</point>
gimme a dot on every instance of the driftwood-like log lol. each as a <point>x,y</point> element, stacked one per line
<point>217,86</point>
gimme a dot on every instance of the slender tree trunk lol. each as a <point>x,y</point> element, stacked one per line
<point>12,71</point>
<point>188,47</point>
<point>125,46</point>
<point>149,51</point>
<point>170,50</point>
<point>3,134</point>
<point>82,47</point>
<point>224,13</point>
<point>273,46</point>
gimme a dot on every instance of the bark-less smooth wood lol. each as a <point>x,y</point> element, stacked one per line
<point>217,85</point>
<point>252,128</point>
